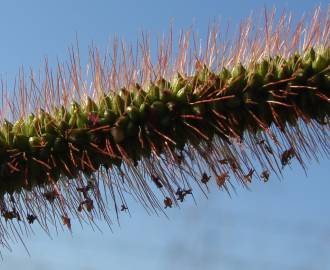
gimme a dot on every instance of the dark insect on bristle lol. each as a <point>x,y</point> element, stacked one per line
<point>265,175</point>
<point>248,177</point>
<point>182,193</point>
<point>286,156</point>
<point>157,181</point>
<point>66,221</point>
<point>168,202</point>
<point>123,208</point>
<point>31,218</point>
<point>9,215</point>
<point>205,178</point>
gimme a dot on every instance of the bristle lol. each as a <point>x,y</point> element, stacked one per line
<point>157,128</point>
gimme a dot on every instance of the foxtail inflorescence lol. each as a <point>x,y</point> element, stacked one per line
<point>240,110</point>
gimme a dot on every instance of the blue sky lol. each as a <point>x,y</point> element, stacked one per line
<point>283,224</point>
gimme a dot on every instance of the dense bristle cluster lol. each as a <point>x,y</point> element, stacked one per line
<point>235,114</point>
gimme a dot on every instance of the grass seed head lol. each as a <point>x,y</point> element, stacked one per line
<point>157,131</point>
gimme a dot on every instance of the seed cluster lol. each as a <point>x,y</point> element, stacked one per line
<point>168,115</point>
<point>157,141</point>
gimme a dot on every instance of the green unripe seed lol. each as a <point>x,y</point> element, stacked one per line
<point>7,128</point>
<point>144,110</point>
<point>165,95</point>
<point>203,75</point>
<point>263,68</point>
<point>153,93</point>
<point>199,109</point>
<point>30,119</point>
<point>75,107</point>
<point>118,104</point>
<point>224,75</point>
<point>309,55</point>
<point>171,106</point>
<point>50,126</point>
<point>109,118</point>
<point>238,71</point>
<point>166,121</point>
<point>139,98</point>
<point>283,72</point>
<point>49,139</point>
<point>42,115</point>
<point>131,129</point>
<point>79,136</point>
<point>118,134</point>
<point>163,84</point>
<point>21,142</point>
<point>300,75</point>
<point>237,81</point>
<point>185,110</point>
<point>82,120</point>
<point>327,82</point>
<point>34,141</point>
<point>320,64</point>
<point>60,145</point>
<point>125,95</point>
<point>326,54</point>
<point>133,113</point>
<point>2,140</point>
<point>255,80</point>
<point>270,77</point>
<point>177,83</point>
<point>61,114</point>
<point>73,119</point>
<point>295,60</point>
<point>90,105</point>
<point>62,126</point>
<point>18,126</point>
<point>158,108</point>
<point>183,94</point>
<point>105,103</point>
<point>44,153</point>
<point>122,121</point>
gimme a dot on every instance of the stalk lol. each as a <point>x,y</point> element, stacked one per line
<point>158,139</point>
